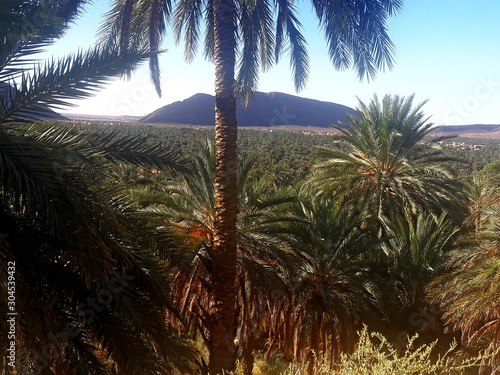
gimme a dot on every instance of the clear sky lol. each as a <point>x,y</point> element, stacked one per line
<point>448,51</point>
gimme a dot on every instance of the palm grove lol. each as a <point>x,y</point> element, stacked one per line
<point>116,276</point>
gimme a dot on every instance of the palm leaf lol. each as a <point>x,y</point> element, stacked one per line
<point>76,76</point>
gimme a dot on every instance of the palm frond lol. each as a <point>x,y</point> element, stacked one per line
<point>158,17</point>
<point>209,41</point>
<point>71,235</point>
<point>382,162</point>
<point>356,34</point>
<point>131,26</point>
<point>52,85</point>
<point>467,293</point>
<point>256,25</point>
<point>138,151</point>
<point>30,26</point>
<point>188,15</point>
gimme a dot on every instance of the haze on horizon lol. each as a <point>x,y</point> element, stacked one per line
<point>446,53</point>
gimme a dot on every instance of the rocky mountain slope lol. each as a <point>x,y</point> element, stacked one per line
<point>264,110</point>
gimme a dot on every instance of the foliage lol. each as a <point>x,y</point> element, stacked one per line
<point>375,355</point>
<point>356,35</point>
<point>472,153</point>
<point>468,292</point>
<point>71,239</point>
<point>492,170</point>
<point>81,211</point>
<point>382,163</point>
<point>483,193</point>
<point>416,247</point>
<point>90,297</point>
<point>273,365</point>
<point>282,157</point>
<point>188,207</point>
<point>332,289</point>
<point>418,235</point>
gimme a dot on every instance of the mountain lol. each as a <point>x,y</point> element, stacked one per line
<point>458,129</point>
<point>264,109</point>
<point>469,131</point>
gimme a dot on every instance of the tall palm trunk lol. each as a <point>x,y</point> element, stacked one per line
<point>314,344</point>
<point>223,255</point>
<point>247,358</point>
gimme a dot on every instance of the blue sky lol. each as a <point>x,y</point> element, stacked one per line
<point>448,52</point>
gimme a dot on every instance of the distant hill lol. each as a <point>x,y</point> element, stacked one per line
<point>82,117</point>
<point>265,110</point>
<point>469,131</point>
<point>477,128</point>
<point>44,113</point>
<point>287,112</point>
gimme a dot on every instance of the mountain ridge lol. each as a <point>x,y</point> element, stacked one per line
<point>284,112</point>
<point>264,110</point>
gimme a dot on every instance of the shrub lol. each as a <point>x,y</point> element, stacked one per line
<point>375,355</point>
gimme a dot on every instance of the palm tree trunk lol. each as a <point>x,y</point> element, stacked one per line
<point>314,344</point>
<point>247,360</point>
<point>59,368</point>
<point>223,255</point>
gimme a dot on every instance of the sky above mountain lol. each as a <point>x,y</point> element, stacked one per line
<point>447,52</point>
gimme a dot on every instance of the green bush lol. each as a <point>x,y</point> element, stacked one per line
<point>375,355</point>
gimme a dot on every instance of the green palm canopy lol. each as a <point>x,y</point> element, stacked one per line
<point>386,161</point>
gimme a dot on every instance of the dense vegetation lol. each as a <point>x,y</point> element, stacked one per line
<point>110,238</point>
<point>314,268</point>
<point>80,292</point>
<point>289,151</point>
<point>242,37</point>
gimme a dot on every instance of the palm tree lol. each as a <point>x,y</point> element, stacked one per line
<point>333,289</point>
<point>417,246</point>
<point>468,292</point>
<point>356,35</point>
<point>189,208</point>
<point>89,298</point>
<point>483,194</point>
<point>383,163</point>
